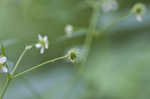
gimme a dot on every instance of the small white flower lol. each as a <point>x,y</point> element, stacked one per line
<point>73,54</point>
<point>109,5</point>
<point>139,11</point>
<point>68,30</point>
<point>3,59</point>
<point>76,55</point>
<point>42,43</point>
<point>3,67</point>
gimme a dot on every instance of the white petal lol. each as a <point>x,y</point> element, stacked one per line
<point>38,45</point>
<point>46,45</point>
<point>42,51</point>
<point>40,37</point>
<point>3,59</point>
<point>139,18</point>
<point>4,69</point>
<point>45,38</point>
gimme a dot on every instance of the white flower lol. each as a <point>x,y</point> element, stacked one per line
<point>73,54</point>
<point>68,30</point>
<point>139,11</point>
<point>109,5</point>
<point>76,55</point>
<point>42,43</point>
<point>3,67</point>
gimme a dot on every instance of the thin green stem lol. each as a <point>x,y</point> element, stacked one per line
<point>90,34</point>
<point>8,80</point>
<point>87,47</point>
<point>40,65</point>
<point>9,77</point>
<point>18,62</point>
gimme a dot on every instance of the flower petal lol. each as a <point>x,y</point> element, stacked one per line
<point>42,51</point>
<point>4,69</point>
<point>139,18</point>
<point>46,45</point>
<point>3,60</point>
<point>38,45</point>
<point>40,37</point>
<point>45,38</point>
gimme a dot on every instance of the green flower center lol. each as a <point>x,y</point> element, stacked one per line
<point>42,42</point>
<point>73,56</point>
<point>138,10</point>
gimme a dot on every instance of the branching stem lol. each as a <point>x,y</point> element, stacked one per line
<point>12,75</point>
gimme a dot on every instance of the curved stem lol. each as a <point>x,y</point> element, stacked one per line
<point>87,47</point>
<point>40,65</point>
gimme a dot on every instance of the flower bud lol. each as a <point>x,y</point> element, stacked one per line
<point>68,30</point>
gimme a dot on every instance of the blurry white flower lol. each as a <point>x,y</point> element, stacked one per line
<point>3,67</point>
<point>42,43</point>
<point>109,5</point>
<point>76,55</point>
<point>73,54</point>
<point>139,10</point>
<point>68,30</point>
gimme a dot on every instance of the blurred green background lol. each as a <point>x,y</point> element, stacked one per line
<point>118,66</point>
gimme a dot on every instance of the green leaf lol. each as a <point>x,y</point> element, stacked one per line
<point>3,50</point>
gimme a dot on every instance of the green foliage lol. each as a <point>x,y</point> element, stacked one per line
<point>117,66</point>
<point>3,50</point>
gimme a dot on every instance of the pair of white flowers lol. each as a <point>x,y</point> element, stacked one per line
<point>3,67</point>
<point>138,9</point>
